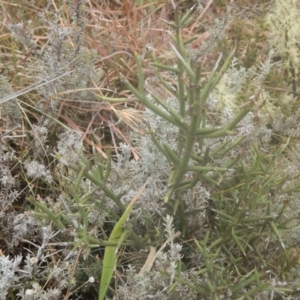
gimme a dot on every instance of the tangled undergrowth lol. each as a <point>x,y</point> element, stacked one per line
<point>195,101</point>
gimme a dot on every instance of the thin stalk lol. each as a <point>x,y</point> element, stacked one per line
<point>151,105</point>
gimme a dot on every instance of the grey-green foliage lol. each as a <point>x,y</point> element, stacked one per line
<point>28,272</point>
<point>284,32</point>
<point>63,53</point>
<point>152,283</point>
<point>11,110</point>
<point>10,274</point>
<point>25,276</point>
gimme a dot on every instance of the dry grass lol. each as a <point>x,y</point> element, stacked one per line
<point>116,32</point>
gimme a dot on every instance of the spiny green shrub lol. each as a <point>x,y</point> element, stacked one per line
<point>218,214</point>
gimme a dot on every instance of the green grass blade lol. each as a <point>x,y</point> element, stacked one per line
<point>110,257</point>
